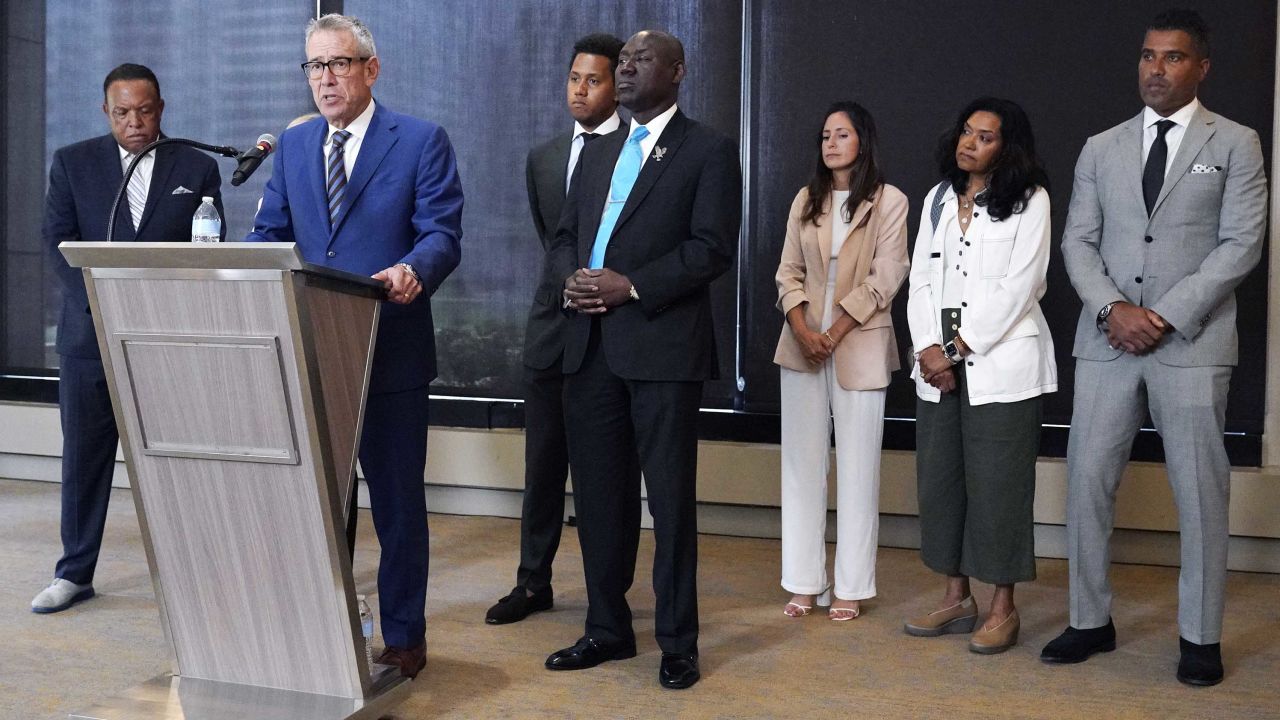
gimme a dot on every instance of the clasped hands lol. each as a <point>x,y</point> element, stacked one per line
<point>1135,329</point>
<point>595,291</point>
<point>402,287</point>
<point>936,369</point>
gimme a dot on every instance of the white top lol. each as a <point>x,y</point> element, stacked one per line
<point>1173,138</point>
<point>839,230</point>
<point>954,267</point>
<point>351,148</point>
<point>575,147</point>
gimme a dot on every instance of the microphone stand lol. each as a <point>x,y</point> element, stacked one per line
<point>223,150</point>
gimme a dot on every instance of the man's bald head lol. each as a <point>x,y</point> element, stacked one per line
<point>650,68</point>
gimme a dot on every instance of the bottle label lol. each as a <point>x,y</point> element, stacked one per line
<point>205,226</point>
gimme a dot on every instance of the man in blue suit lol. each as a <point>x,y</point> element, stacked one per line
<point>374,192</point>
<point>163,194</point>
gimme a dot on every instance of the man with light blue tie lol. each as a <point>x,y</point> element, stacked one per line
<point>651,218</point>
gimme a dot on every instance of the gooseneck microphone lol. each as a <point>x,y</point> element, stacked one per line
<point>223,150</point>
<point>249,161</point>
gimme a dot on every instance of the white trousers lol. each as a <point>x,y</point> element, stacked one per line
<point>810,402</point>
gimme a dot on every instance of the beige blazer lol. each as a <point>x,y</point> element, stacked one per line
<point>872,266</point>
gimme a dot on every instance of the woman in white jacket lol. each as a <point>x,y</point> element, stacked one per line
<point>983,358</point>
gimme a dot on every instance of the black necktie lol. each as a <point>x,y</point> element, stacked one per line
<point>1153,173</point>
<point>588,137</point>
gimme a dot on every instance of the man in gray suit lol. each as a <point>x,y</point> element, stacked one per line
<point>1167,217</point>
<point>593,104</point>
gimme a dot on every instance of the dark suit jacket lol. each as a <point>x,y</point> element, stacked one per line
<point>545,175</point>
<point>403,203</point>
<point>677,232</point>
<point>83,181</point>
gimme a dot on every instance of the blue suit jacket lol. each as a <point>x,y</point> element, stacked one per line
<point>403,203</point>
<point>83,181</point>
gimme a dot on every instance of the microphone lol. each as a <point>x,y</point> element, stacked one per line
<point>250,160</point>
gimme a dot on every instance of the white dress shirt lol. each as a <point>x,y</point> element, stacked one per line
<point>575,147</point>
<point>351,148</point>
<point>142,173</point>
<point>1172,138</point>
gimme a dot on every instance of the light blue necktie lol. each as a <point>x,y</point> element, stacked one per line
<point>624,178</point>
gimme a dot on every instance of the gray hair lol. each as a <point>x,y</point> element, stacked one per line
<point>334,21</point>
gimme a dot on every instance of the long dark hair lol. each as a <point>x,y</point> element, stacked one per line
<point>866,177</point>
<point>1016,172</point>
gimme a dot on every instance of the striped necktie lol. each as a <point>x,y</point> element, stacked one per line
<point>624,178</point>
<point>137,192</point>
<point>336,176</point>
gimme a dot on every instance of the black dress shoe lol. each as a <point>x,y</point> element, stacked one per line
<point>588,653</point>
<point>1200,665</point>
<point>1075,646</point>
<point>679,670</point>
<point>518,606</point>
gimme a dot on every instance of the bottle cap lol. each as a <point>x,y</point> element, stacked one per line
<point>207,199</point>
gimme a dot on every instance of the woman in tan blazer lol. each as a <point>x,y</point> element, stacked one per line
<point>844,258</point>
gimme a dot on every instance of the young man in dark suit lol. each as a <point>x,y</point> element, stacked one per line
<point>164,192</point>
<point>652,217</point>
<point>593,104</point>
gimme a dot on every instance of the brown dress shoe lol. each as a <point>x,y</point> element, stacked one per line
<point>411,661</point>
<point>959,618</point>
<point>997,639</point>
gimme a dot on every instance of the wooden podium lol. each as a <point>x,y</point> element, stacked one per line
<point>238,375</point>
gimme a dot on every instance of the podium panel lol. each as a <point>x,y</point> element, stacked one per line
<point>238,393</point>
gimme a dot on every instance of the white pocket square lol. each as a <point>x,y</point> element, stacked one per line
<point>1198,169</point>
<point>180,191</point>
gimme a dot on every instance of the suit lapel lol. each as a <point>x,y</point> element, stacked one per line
<point>558,160</point>
<point>160,170</point>
<point>1129,157</point>
<point>1198,132</point>
<point>380,138</point>
<point>313,164</point>
<point>652,169</point>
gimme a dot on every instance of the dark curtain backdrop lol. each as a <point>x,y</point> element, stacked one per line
<point>493,74</point>
<point>1072,67</point>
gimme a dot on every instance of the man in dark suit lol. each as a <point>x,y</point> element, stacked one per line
<point>164,192</point>
<point>370,191</point>
<point>593,104</point>
<point>1167,217</point>
<point>652,217</point>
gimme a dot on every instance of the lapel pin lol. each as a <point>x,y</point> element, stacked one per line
<point>659,153</point>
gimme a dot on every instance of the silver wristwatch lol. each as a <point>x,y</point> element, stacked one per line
<point>1103,314</point>
<point>952,352</point>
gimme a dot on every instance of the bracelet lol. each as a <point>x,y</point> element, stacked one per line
<point>827,334</point>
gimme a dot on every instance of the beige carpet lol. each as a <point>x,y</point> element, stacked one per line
<point>756,662</point>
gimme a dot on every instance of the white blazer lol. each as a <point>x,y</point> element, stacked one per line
<point>1001,321</point>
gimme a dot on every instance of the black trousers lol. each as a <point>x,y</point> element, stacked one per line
<point>611,420</point>
<point>546,467</point>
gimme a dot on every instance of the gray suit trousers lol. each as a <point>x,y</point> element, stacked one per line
<point>1188,406</point>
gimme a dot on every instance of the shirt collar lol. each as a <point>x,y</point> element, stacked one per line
<point>604,128</point>
<point>357,127</point>
<point>126,154</point>
<point>1182,117</point>
<point>658,124</point>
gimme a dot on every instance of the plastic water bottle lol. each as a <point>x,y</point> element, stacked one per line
<point>366,628</point>
<point>206,224</point>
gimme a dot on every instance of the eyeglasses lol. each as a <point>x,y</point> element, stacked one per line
<point>339,66</point>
